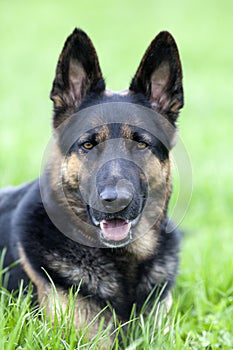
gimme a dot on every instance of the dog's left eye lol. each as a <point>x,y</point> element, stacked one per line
<point>141,145</point>
<point>87,145</point>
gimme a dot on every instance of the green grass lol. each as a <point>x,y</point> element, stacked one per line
<point>32,34</point>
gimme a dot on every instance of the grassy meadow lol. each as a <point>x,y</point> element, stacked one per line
<point>31,35</point>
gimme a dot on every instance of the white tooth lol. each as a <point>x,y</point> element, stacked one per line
<point>135,221</point>
<point>95,221</point>
<point>130,234</point>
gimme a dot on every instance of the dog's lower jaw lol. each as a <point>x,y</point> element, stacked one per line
<point>116,233</point>
<point>116,243</point>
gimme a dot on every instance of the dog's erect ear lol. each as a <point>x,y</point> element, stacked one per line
<point>159,76</point>
<point>78,72</point>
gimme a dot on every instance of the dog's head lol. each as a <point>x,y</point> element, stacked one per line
<point>113,148</point>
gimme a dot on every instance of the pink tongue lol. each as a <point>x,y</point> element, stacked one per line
<point>115,230</point>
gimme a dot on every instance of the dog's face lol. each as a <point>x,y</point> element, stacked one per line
<point>113,148</point>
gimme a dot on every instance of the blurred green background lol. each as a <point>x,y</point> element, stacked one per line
<point>32,34</point>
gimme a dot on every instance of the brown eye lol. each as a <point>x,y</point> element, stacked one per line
<point>87,145</point>
<point>141,145</point>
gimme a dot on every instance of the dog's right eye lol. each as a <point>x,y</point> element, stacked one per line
<point>141,145</point>
<point>87,145</point>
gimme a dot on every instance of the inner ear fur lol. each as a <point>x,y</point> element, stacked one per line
<point>159,76</point>
<point>78,73</point>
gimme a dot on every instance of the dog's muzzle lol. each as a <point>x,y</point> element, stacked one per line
<point>114,188</point>
<point>116,207</point>
<point>115,199</point>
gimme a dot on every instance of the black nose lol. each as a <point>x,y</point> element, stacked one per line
<point>115,198</point>
<point>109,194</point>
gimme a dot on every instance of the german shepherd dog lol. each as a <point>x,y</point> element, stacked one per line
<point>96,219</point>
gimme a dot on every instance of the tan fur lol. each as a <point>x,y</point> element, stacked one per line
<point>54,167</point>
<point>144,247</point>
<point>40,283</point>
<point>56,301</point>
<point>168,179</point>
<point>71,167</point>
<point>63,169</point>
<point>126,131</point>
<point>103,134</point>
<point>58,102</point>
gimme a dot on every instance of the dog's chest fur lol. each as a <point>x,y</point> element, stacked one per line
<point>106,275</point>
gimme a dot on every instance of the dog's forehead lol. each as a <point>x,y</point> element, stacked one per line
<point>116,130</point>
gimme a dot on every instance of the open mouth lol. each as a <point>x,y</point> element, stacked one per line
<point>115,232</point>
